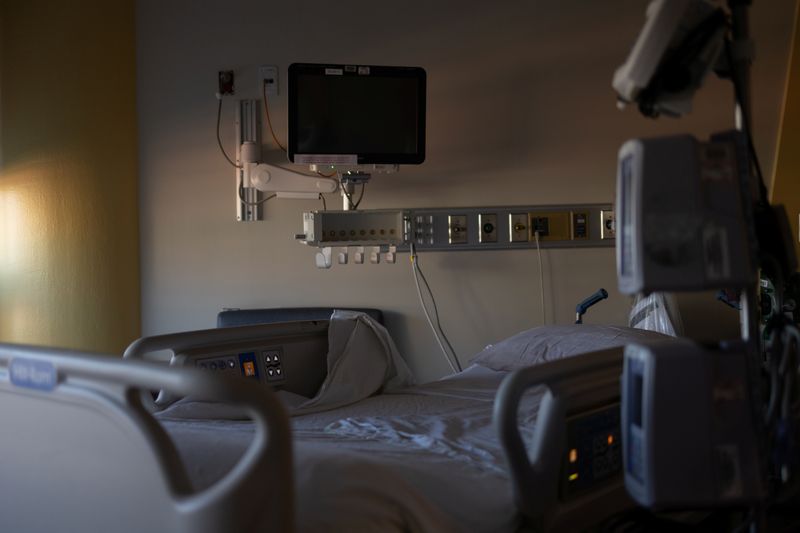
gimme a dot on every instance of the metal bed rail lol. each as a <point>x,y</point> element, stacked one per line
<point>82,453</point>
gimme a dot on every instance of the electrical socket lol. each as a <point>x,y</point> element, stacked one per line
<point>487,224</point>
<point>518,227</point>
<point>608,225</point>
<point>225,81</point>
<point>550,225</point>
<point>580,225</point>
<point>268,74</point>
<point>457,229</point>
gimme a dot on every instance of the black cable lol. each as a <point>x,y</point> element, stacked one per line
<point>360,196</point>
<point>259,202</point>
<point>737,91</point>
<point>347,194</point>
<point>324,203</point>
<point>219,141</point>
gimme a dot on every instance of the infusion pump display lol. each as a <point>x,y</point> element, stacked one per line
<point>594,451</point>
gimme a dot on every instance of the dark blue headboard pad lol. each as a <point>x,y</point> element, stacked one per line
<point>248,317</point>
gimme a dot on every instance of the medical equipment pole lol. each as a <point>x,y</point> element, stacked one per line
<point>741,56</point>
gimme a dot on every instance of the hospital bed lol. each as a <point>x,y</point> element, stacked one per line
<point>422,458</point>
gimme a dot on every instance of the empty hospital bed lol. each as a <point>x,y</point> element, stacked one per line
<point>421,458</point>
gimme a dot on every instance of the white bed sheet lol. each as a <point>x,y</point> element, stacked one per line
<point>425,458</point>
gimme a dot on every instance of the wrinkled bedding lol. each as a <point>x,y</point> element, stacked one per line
<point>425,458</point>
<point>412,458</point>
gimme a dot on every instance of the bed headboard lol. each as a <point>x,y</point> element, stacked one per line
<point>80,452</point>
<point>246,317</point>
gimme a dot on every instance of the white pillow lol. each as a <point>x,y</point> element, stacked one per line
<point>548,343</point>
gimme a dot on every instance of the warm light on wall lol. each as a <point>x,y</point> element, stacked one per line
<point>11,240</point>
<point>16,313</point>
<point>69,265</point>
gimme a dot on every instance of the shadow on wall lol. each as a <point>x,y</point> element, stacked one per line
<point>696,308</point>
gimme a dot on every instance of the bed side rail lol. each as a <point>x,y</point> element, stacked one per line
<point>176,342</point>
<point>581,384</point>
<point>67,414</point>
<point>305,368</point>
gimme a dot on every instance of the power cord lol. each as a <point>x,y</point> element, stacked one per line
<point>541,276</point>
<point>257,203</point>
<point>450,357</point>
<point>353,205</point>
<point>360,196</point>
<point>269,121</point>
<point>219,140</point>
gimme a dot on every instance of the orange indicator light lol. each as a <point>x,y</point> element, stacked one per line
<point>573,455</point>
<point>610,440</point>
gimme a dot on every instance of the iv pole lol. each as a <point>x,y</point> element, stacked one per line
<point>741,57</point>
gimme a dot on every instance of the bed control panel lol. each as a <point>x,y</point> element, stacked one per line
<point>227,363</point>
<point>294,362</point>
<point>593,452</point>
<point>272,364</point>
<point>266,363</point>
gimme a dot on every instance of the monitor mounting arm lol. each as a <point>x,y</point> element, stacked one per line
<point>256,180</point>
<point>287,183</point>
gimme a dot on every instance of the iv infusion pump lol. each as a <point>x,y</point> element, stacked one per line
<point>689,428</point>
<point>689,434</point>
<point>680,222</point>
<point>702,426</point>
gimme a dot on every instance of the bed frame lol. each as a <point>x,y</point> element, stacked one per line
<point>578,387</point>
<point>79,452</point>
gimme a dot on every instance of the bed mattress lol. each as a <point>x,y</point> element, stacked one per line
<point>424,458</point>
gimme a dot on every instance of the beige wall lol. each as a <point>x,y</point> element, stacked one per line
<point>521,111</point>
<point>69,273</point>
<point>786,184</point>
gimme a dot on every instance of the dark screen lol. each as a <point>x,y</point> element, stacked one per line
<point>372,116</point>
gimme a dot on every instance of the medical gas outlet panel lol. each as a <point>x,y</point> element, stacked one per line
<point>467,228</point>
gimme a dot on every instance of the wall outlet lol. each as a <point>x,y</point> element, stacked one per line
<point>550,225</point>
<point>518,227</point>
<point>225,81</point>
<point>457,229</point>
<point>580,225</point>
<point>268,75</point>
<point>608,224</point>
<point>488,227</point>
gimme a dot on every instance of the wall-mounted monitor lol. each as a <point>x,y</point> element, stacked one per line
<point>356,114</point>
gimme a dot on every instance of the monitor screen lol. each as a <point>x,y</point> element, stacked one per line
<point>355,114</point>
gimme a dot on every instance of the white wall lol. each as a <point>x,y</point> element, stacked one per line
<point>520,111</point>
